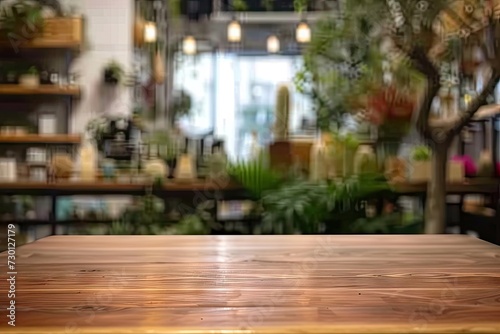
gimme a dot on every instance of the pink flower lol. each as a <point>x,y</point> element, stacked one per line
<point>469,165</point>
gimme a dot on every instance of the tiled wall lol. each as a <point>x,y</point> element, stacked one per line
<point>109,37</point>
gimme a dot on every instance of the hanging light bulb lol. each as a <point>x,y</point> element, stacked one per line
<point>303,33</point>
<point>234,32</point>
<point>150,32</point>
<point>189,45</point>
<point>273,44</point>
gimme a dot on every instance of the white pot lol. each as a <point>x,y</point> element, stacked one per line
<point>29,80</point>
<point>421,171</point>
<point>455,172</point>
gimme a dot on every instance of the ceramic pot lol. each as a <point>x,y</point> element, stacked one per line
<point>29,80</point>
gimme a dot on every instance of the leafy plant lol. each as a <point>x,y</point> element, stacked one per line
<point>21,19</point>
<point>305,206</point>
<point>239,5</point>
<point>181,105</point>
<point>421,153</point>
<point>255,176</point>
<point>146,217</point>
<point>32,70</point>
<point>114,72</point>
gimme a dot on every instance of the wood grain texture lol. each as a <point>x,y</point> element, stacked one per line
<point>256,284</point>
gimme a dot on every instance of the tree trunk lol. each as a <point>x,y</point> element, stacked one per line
<point>435,206</point>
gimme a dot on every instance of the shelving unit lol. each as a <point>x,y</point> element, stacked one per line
<point>62,39</point>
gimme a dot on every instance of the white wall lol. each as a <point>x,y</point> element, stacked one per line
<point>108,32</point>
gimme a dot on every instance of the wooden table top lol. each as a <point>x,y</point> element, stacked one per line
<point>255,284</point>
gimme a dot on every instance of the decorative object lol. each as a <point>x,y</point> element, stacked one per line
<point>486,168</point>
<point>30,79</point>
<point>61,166</point>
<point>139,31</point>
<point>280,150</point>
<point>54,77</point>
<point>420,164</point>
<point>217,166</point>
<point>36,155</point>
<point>47,124</point>
<point>8,169</point>
<point>155,169</point>
<point>38,173</point>
<point>455,172</point>
<point>88,161</point>
<point>365,160</point>
<point>283,102</point>
<point>113,73</point>
<point>186,168</point>
<point>20,131</point>
<point>395,170</point>
<point>108,169</point>
<point>470,168</point>
<point>318,170</point>
<point>159,68</point>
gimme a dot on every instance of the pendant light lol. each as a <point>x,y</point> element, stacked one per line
<point>273,44</point>
<point>189,45</point>
<point>303,32</point>
<point>234,31</point>
<point>150,33</point>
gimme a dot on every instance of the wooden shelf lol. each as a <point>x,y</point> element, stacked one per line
<point>41,44</point>
<point>40,90</point>
<point>40,139</point>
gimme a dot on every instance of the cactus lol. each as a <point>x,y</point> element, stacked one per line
<point>282,113</point>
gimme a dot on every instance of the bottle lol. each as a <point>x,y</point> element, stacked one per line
<point>54,77</point>
<point>218,164</point>
<point>88,161</point>
<point>365,160</point>
<point>186,166</point>
<point>319,161</point>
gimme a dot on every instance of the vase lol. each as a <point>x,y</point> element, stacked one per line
<point>171,163</point>
<point>421,171</point>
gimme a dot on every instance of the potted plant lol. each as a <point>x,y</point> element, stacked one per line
<point>421,164</point>
<point>31,79</point>
<point>113,73</point>
<point>21,20</point>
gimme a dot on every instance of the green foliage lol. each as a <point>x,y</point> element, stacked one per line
<point>146,217</point>
<point>282,112</point>
<point>305,206</point>
<point>22,18</point>
<point>389,223</point>
<point>255,176</point>
<point>116,70</point>
<point>199,222</point>
<point>167,144</point>
<point>32,70</point>
<point>300,5</point>
<point>181,106</point>
<point>239,5</point>
<point>421,153</point>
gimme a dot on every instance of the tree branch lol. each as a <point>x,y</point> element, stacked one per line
<point>477,103</point>
<point>425,66</point>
